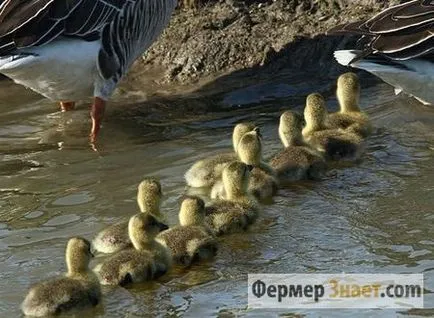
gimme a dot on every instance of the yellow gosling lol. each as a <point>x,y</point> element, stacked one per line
<point>297,160</point>
<point>115,237</point>
<point>239,209</point>
<point>77,289</point>
<point>350,116</point>
<point>263,183</point>
<point>147,260</point>
<point>191,241</point>
<point>205,172</point>
<point>336,144</point>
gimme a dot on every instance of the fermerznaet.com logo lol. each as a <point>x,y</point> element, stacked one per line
<point>335,290</point>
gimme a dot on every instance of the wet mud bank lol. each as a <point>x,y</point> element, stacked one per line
<point>220,37</point>
<point>223,46</point>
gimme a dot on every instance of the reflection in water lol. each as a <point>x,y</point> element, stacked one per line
<point>375,216</point>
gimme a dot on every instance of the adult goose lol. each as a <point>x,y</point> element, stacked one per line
<point>70,50</point>
<point>399,48</point>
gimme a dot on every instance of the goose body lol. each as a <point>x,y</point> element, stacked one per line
<point>62,71</point>
<point>72,50</point>
<point>400,48</point>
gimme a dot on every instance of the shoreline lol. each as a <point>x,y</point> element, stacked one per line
<point>222,37</point>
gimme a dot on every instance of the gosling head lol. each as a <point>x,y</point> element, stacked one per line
<point>142,229</point>
<point>192,211</point>
<point>149,195</point>
<point>250,148</point>
<point>235,179</point>
<point>78,255</point>
<point>290,127</point>
<point>239,131</point>
<point>315,112</point>
<point>348,92</point>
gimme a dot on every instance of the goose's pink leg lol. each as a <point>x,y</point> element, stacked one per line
<point>96,113</point>
<point>66,106</point>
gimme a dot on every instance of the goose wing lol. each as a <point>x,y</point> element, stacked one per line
<point>27,23</point>
<point>401,32</point>
<point>130,33</point>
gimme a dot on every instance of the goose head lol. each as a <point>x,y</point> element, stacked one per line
<point>149,196</point>
<point>78,255</point>
<point>250,148</point>
<point>348,92</point>
<point>142,229</point>
<point>290,127</point>
<point>239,131</point>
<point>235,179</point>
<point>315,113</point>
<point>192,211</point>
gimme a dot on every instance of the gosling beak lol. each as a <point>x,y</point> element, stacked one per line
<point>92,251</point>
<point>162,226</point>
<point>258,131</point>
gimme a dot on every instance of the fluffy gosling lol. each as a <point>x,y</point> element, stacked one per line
<point>263,183</point>
<point>78,289</point>
<point>190,241</point>
<point>336,144</point>
<point>239,209</point>
<point>350,115</point>
<point>115,237</point>
<point>297,160</point>
<point>205,172</point>
<point>148,259</point>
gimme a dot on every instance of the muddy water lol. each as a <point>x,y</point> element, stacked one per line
<point>376,216</point>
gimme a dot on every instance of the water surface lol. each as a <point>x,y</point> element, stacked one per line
<point>375,216</point>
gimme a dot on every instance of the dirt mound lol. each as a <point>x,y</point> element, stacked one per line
<point>223,36</point>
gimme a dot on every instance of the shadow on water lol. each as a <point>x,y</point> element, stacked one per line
<point>375,216</point>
